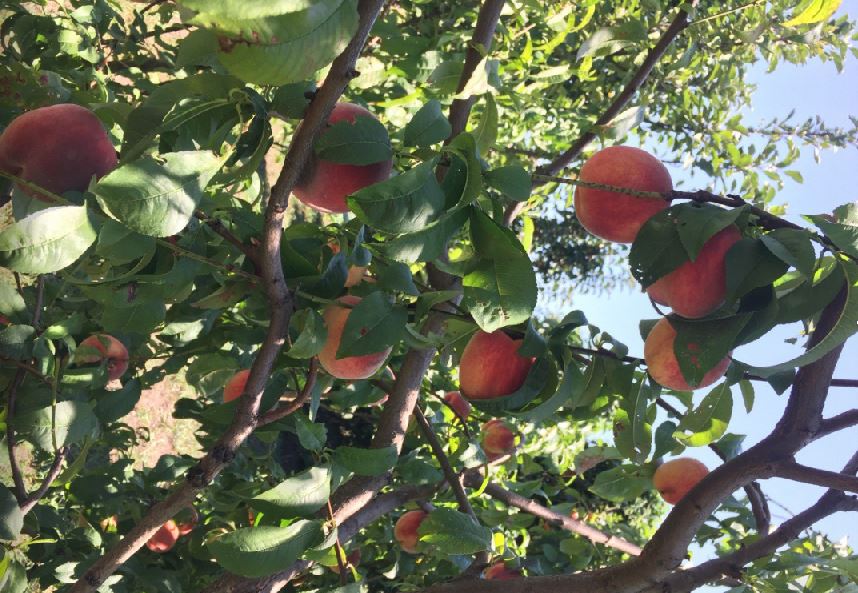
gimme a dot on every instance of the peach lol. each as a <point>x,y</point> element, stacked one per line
<point>100,346</point>
<point>165,538</point>
<point>405,530</point>
<point>59,148</point>
<point>499,572</point>
<point>663,366</point>
<point>697,288</point>
<point>491,367</point>
<point>324,185</point>
<point>458,404</point>
<point>356,275</point>
<point>676,477</point>
<point>235,386</point>
<point>349,367</point>
<point>611,215</point>
<point>498,439</point>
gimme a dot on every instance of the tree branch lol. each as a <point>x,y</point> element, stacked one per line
<point>31,500</point>
<point>679,23</point>
<point>281,412</point>
<point>280,311</point>
<point>218,227</point>
<point>568,523</point>
<point>11,440</point>
<point>791,470</point>
<point>836,423</point>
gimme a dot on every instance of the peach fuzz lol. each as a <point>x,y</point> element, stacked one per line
<point>491,367</point>
<point>350,367</point>
<point>611,215</point>
<point>235,386</point>
<point>499,572</point>
<point>59,148</point>
<point>405,530</point>
<point>498,439</point>
<point>663,366</point>
<point>675,478</point>
<point>697,288</point>
<point>107,347</point>
<point>165,538</point>
<point>458,404</point>
<point>324,185</point>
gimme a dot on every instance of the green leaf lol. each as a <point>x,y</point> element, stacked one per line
<point>621,483</point>
<point>290,47</point>
<point>730,445</point>
<point>366,462</point>
<point>263,550</point>
<point>141,318</point>
<point>16,341</point>
<point>451,532</point>
<point>747,389</point>
<point>697,223</point>
<point>362,142</point>
<point>844,235</point>
<point>48,240</point>
<point>568,393</point>
<point>464,146</point>
<point>664,441</point>
<point>633,422</point>
<point>402,204</point>
<point>300,495</point>
<point>813,11</point>
<point>11,517</point>
<point>793,247</point>
<point>845,326</point>
<point>373,325</point>
<point>486,133</point>
<point>810,297</point>
<point>119,244</point>
<point>12,305</point>
<point>657,249</point>
<point>700,345</point>
<point>428,126</point>
<point>157,197</point>
<point>429,243</point>
<point>501,288</point>
<point>312,336</point>
<point>750,264</point>
<point>73,422</point>
<point>708,422</point>
<point>610,40</point>
<point>110,406</point>
<point>512,181</point>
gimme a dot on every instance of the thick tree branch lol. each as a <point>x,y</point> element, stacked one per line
<point>679,23</point>
<point>280,311</point>
<point>568,523</point>
<point>481,43</point>
<point>819,477</point>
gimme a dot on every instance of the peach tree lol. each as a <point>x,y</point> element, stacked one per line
<point>329,222</point>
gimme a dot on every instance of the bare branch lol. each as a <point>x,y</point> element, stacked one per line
<point>280,311</point>
<point>568,523</point>
<point>679,23</point>
<point>819,477</point>
<point>838,422</point>
<point>52,474</point>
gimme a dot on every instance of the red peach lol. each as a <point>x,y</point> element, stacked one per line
<point>611,215</point>
<point>103,346</point>
<point>663,366</point>
<point>349,367</point>
<point>491,367</point>
<point>405,530</point>
<point>498,439</point>
<point>697,288</point>
<point>324,185</point>
<point>235,386</point>
<point>499,572</point>
<point>459,404</point>
<point>59,148</point>
<point>675,478</point>
<point>165,538</point>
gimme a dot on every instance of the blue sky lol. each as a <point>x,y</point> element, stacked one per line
<point>812,89</point>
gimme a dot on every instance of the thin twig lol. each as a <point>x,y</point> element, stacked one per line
<point>338,548</point>
<point>302,398</point>
<point>11,440</point>
<point>836,423</point>
<point>49,478</point>
<point>724,13</point>
<point>27,367</point>
<point>218,227</point>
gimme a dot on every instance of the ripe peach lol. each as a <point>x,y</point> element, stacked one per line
<point>498,439</point>
<point>405,530</point>
<point>235,386</point>
<point>324,185</point>
<point>491,367</point>
<point>350,367</point>
<point>59,148</point>
<point>356,275</point>
<point>676,477</point>
<point>459,404</point>
<point>611,215</point>
<point>697,288</point>
<point>101,346</point>
<point>165,538</point>
<point>662,363</point>
<point>499,572</point>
